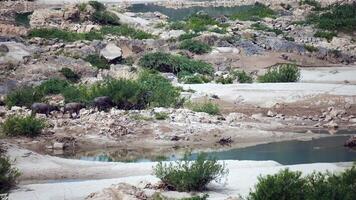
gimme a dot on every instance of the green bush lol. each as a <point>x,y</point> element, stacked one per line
<point>218,30</point>
<point>197,22</point>
<point>178,25</point>
<point>8,174</point>
<point>97,61</point>
<point>187,36</point>
<point>24,96</point>
<point>311,48</point>
<point>207,107</point>
<point>22,126</point>
<point>165,62</point>
<point>281,73</point>
<point>283,185</point>
<point>22,19</point>
<point>242,76</point>
<point>254,13</point>
<point>336,18</point>
<point>262,27</point>
<point>291,185</point>
<point>97,5</point>
<point>189,176</point>
<point>69,74</point>
<point>125,30</point>
<point>105,18</point>
<point>314,3</point>
<point>195,79</point>
<point>225,80</point>
<point>324,34</point>
<point>52,86</point>
<point>161,116</point>
<point>195,46</point>
<point>67,36</point>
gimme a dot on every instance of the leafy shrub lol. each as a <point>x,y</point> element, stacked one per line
<point>281,73</point>
<point>67,36</point>
<point>24,96</point>
<point>242,76</point>
<point>262,27</point>
<point>52,86</point>
<point>8,174</point>
<point>225,80</point>
<point>311,48</point>
<point>178,25</point>
<point>291,185</point>
<point>187,36</point>
<point>188,176</point>
<point>70,75</point>
<point>283,185</point>
<point>195,46</point>
<point>324,34</point>
<point>97,61</point>
<point>22,126</point>
<point>336,18</point>
<point>207,107</point>
<point>165,62</point>
<point>254,13</point>
<point>97,5</point>
<point>195,79</point>
<point>125,30</point>
<point>105,18</point>
<point>197,22</point>
<point>161,116</point>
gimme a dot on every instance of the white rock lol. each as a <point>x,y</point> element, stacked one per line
<point>111,52</point>
<point>58,145</point>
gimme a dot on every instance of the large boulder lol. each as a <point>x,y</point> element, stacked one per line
<point>111,52</point>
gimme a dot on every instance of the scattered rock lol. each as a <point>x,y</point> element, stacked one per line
<point>351,142</point>
<point>111,52</point>
<point>331,124</point>
<point>225,141</point>
<point>58,146</point>
<point>271,114</point>
<point>121,191</point>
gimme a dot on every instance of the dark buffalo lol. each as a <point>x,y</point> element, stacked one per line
<point>103,103</point>
<point>43,108</point>
<point>73,108</point>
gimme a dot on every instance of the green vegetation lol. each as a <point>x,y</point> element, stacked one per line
<point>240,76</point>
<point>254,13</point>
<point>195,79</point>
<point>218,30</point>
<point>23,96</point>
<point>177,25</point>
<point>336,18</point>
<point>195,46</point>
<point>52,86</point>
<point>262,27</point>
<point>181,65</point>
<point>281,73</point>
<point>22,126</point>
<point>125,30</point>
<point>203,197</point>
<point>105,18</point>
<point>187,36</point>
<point>291,185</point>
<point>22,19</point>
<point>314,3</point>
<point>325,34</point>
<point>196,22</point>
<point>66,36</point>
<point>69,74</point>
<point>97,5</point>
<point>190,176</point>
<point>97,61</point>
<point>8,174</point>
<point>207,107</point>
<point>311,48</point>
<point>161,116</point>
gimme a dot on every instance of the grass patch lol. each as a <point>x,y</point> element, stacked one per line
<point>254,13</point>
<point>22,126</point>
<point>188,176</point>
<point>240,76</point>
<point>336,18</point>
<point>180,65</point>
<point>262,27</point>
<point>23,96</point>
<point>125,30</point>
<point>161,116</point>
<point>70,75</point>
<point>52,86</point>
<point>325,34</point>
<point>207,107</point>
<point>66,36</point>
<point>105,18</point>
<point>195,46</point>
<point>292,185</point>
<point>195,79</point>
<point>281,73</point>
<point>97,5</point>
<point>97,61</point>
<point>311,48</point>
<point>196,22</point>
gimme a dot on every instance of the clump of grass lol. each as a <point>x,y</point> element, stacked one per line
<point>197,22</point>
<point>125,30</point>
<point>23,96</point>
<point>262,27</point>
<point>22,126</point>
<point>97,61</point>
<point>70,75</point>
<point>218,30</point>
<point>98,6</point>
<point>325,34</point>
<point>311,48</point>
<point>8,174</point>
<point>177,25</point>
<point>195,46</point>
<point>105,18</point>
<point>207,107</point>
<point>161,116</point>
<point>195,79</point>
<point>67,36</point>
<point>52,86</point>
<point>240,76</point>
<point>281,73</point>
<point>189,176</point>
<point>183,66</point>
<point>254,13</point>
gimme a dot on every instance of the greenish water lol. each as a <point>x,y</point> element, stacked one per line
<point>181,13</point>
<point>328,149</point>
<point>22,19</point>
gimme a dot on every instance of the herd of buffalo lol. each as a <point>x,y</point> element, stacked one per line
<point>102,103</point>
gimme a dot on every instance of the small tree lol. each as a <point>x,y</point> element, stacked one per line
<point>22,126</point>
<point>281,73</point>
